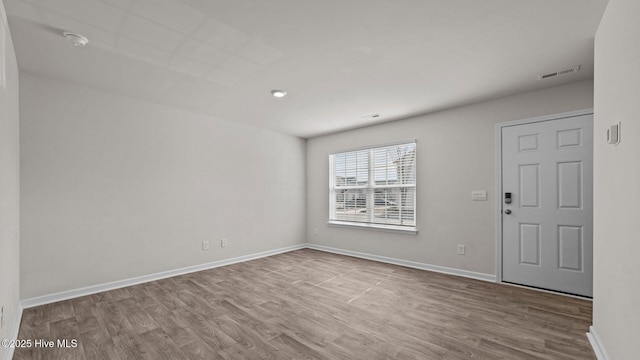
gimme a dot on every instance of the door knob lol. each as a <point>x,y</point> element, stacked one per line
<point>508,211</point>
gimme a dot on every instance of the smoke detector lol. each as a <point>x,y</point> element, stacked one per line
<point>76,39</point>
<point>566,71</point>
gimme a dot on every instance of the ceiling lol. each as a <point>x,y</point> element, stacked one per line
<point>339,61</point>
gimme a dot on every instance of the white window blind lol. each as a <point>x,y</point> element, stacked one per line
<point>374,187</point>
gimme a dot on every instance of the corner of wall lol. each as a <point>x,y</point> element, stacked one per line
<point>616,315</point>
<point>596,344</point>
<point>15,330</point>
<point>9,189</point>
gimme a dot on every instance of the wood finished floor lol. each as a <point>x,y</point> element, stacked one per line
<point>308,304</point>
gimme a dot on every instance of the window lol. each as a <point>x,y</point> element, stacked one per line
<point>374,187</point>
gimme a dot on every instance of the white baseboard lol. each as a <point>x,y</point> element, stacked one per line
<point>407,263</point>
<point>75,293</point>
<point>14,332</point>
<point>596,344</point>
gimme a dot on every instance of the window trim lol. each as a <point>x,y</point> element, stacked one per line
<point>404,229</point>
<point>377,227</point>
<point>369,147</point>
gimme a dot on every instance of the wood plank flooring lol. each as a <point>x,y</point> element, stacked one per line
<point>309,304</point>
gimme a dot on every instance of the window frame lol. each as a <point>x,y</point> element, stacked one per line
<point>370,190</point>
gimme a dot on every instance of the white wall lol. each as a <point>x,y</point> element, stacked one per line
<point>9,191</point>
<point>456,154</point>
<point>616,318</point>
<point>114,187</point>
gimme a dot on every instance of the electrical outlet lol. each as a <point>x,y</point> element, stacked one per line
<point>223,243</point>
<point>460,249</point>
<point>205,245</point>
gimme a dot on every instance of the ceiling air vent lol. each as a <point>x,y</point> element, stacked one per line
<point>565,71</point>
<point>371,117</point>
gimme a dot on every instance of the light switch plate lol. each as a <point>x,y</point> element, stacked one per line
<point>479,195</point>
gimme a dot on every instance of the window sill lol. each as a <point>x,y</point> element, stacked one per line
<point>389,228</point>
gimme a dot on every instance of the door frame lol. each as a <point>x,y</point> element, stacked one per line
<point>498,188</point>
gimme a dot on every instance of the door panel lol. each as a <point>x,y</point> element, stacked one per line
<point>567,138</point>
<point>529,142</point>
<point>570,185</point>
<point>570,247</point>
<point>547,236</point>
<point>530,244</point>
<point>530,185</point>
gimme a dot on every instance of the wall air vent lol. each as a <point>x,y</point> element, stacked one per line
<point>565,71</point>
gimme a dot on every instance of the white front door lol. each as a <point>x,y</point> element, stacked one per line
<point>547,234</point>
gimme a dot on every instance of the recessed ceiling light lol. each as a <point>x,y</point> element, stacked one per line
<point>76,39</point>
<point>278,93</point>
